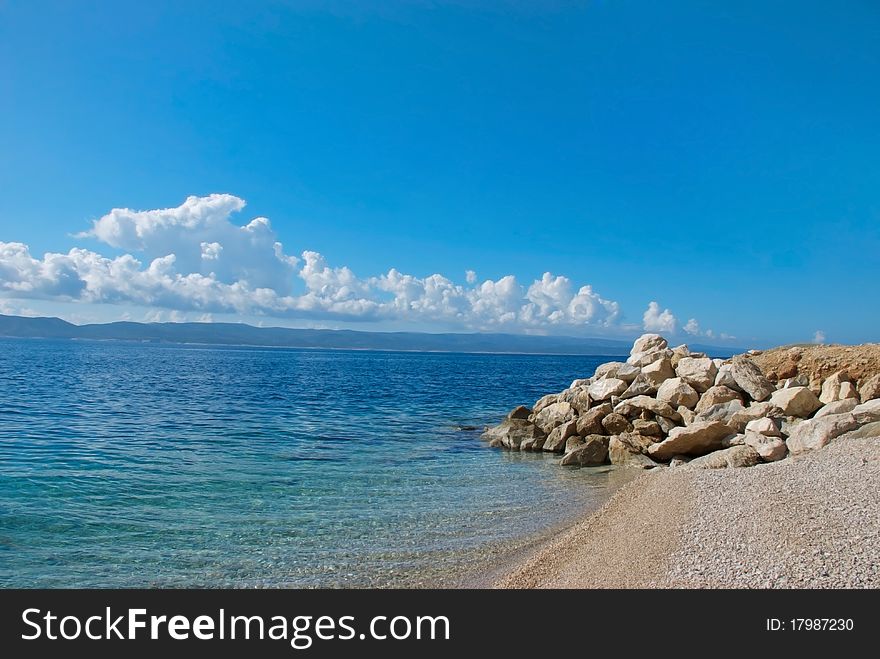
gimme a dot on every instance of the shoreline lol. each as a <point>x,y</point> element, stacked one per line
<point>762,471</point>
<point>808,522</point>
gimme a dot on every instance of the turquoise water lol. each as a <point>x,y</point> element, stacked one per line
<point>148,465</point>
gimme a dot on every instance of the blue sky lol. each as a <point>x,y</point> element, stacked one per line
<point>720,162</point>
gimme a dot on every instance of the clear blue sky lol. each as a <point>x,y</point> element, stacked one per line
<point>724,163</point>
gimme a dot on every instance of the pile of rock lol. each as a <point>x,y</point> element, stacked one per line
<point>673,406</point>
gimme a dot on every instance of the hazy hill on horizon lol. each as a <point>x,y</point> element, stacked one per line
<point>283,337</point>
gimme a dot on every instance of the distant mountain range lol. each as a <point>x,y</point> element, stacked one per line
<point>282,337</point>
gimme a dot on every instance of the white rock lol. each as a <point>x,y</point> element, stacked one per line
<point>816,433</point>
<point>765,426</point>
<point>676,391</point>
<point>721,412</point>
<point>795,401</point>
<point>725,378</point>
<point>659,371</point>
<point>870,388</point>
<point>554,415</point>
<point>750,379</point>
<point>847,390</point>
<point>639,387</point>
<point>633,407</point>
<point>606,388</point>
<point>645,358</point>
<point>867,412</point>
<point>796,381</point>
<point>696,439</point>
<point>770,449</point>
<point>700,373</point>
<point>608,369</point>
<point>735,456</point>
<point>545,401</point>
<point>831,387</point>
<point>648,343</point>
<point>715,395</point>
<point>837,407</point>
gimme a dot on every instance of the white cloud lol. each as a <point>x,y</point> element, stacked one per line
<point>194,260</point>
<point>203,240</point>
<point>819,337</point>
<point>655,320</point>
<point>692,327</point>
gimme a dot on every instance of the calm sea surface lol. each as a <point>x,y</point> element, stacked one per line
<point>147,465</point>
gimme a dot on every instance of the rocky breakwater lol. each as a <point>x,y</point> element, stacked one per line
<point>670,406</point>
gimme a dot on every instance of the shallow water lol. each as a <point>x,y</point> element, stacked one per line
<point>149,465</point>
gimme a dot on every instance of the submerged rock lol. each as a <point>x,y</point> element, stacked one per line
<point>510,433</point>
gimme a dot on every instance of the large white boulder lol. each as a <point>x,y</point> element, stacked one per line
<point>606,388</point>
<point>750,379</point>
<point>795,401</point>
<point>698,372</point>
<point>554,415</point>
<point>725,378</point>
<point>816,433</point>
<point>867,412</point>
<point>831,386</point>
<point>769,448</point>
<point>698,438</point>
<point>715,395</point>
<point>765,426</point>
<point>676,391</point>
<point>837,407</point>
<point>735,456</point>
<point>633,407</point>
<point>870,388</point>
<point>648,343</point>
<point>642,359</point>
<point>659,371</point>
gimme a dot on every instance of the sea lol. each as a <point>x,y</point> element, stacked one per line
<point>155,465</point>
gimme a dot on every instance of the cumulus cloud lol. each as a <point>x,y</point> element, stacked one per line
<point>203,239</point>
<point>654,320</point>
<point>819,337</point>
<point>195,259</point>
